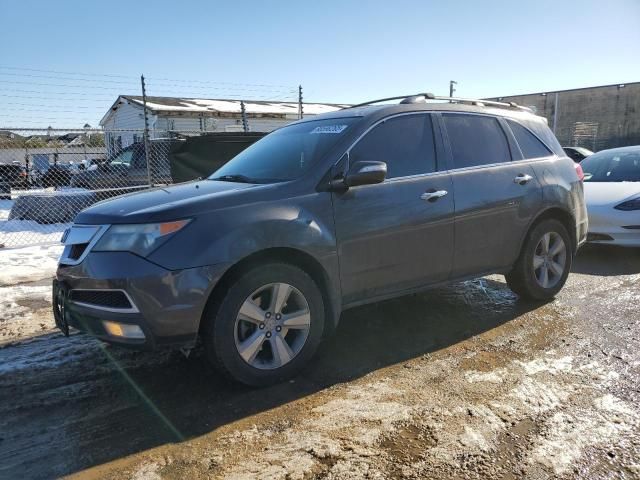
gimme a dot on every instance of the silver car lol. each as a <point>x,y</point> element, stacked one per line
<point>612,194</point>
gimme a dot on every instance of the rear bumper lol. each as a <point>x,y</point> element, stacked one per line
<point>166,305</point>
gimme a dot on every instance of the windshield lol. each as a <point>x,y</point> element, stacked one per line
<point>123,158</point>
<point>286,153</point>
<point>612,167</point>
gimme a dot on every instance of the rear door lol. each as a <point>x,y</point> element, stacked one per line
<point>496,198</point>
<point>396,235</point>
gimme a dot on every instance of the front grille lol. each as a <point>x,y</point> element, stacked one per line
<point>77,250</point>
<point>594,237</point>
<point>115,299</point>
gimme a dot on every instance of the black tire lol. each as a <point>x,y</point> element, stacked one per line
<point>219,332</point>
<point>523,279</point>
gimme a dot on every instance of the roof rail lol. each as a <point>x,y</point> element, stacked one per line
<point>431,96</point>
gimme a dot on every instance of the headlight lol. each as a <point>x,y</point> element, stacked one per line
<point>141,239</point>
<point>633,204</point>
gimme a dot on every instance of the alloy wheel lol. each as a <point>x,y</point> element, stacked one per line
<point>549,260</point>
<point>272,326</point>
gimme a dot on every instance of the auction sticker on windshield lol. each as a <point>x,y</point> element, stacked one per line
<point>329,129</point>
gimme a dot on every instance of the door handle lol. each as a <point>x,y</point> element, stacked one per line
<point>433,196</point>
<point>522,179</point>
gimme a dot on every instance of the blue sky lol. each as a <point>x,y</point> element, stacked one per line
<point>340,51</point>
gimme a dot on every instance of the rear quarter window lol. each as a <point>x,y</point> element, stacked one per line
<point>530,145</point>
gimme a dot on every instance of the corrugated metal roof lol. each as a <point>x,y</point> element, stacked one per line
<point>198,105</point>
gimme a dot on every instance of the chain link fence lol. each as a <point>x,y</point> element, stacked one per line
<point>49,173</point>
<point>48,176</point>
<point>154,131</point>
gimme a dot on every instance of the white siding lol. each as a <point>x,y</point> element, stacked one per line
<point>125,126</point>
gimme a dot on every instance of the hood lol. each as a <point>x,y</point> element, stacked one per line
<point>164,203</point>
<point>598,194</point>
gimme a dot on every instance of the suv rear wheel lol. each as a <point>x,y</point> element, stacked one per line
<point>544,263</point>
<point>267,326</point>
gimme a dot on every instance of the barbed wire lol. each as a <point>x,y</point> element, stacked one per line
<point>136,79</point>
<point>60,97</point>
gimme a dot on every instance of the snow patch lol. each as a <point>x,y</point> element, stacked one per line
<point>28,264</point>
<point>539,396</point>
<point>567,435</point>
<point>548,364</point>
<point>491,377</point>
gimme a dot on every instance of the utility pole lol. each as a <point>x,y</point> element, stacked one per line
<point>451,89</point>
<point>147,150</point>
<point>243,112</point>
<point>300,112</point>
<point>555,114</point>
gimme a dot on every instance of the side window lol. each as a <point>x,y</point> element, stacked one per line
<point>476,140</point>
<point>530,146</point>
<point>405,143</point>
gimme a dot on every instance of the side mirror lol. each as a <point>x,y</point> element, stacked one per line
<point>365,173</point>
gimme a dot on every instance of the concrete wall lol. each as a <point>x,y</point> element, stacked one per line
<point>595,118</point>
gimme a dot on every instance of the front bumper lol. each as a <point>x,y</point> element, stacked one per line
<point>607,226</point>
<point>167,305</point>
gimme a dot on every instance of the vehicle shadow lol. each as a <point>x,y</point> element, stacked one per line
<point>109,403</point>
<point>607,260</point>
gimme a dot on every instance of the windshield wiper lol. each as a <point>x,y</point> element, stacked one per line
<point>235,178</point>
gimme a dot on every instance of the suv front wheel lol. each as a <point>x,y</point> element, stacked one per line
<point>267,326</point>
<point>544,263</point>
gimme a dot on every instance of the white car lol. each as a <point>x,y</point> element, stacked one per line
<point>612,195</point>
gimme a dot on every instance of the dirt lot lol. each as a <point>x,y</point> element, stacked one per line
<point>459,382</point>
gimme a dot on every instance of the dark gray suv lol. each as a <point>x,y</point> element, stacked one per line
<point>346,208</point>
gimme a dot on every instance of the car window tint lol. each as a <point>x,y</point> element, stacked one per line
<point>530,146</point>
<point>570,153</point>
<point>405,143</point>
<point>289,152</point>
<point>476,140</point>
<point>124,157</point>
<point>612,166</point>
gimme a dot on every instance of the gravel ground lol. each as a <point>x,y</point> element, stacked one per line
<point>459,382</point>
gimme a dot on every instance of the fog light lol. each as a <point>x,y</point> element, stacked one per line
<point>124,330</point>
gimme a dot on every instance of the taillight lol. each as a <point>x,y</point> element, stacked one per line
<point>580,172</point>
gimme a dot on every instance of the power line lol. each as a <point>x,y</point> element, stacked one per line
<point>65,73</point>
<point>220,83</point>
<point>205,82</point>
<point>44,118</point>
<point>55,93</point>
<point>42,106</point>
<point>194,87</point>
<point>49,98</point>
<point>132,82</point>
<point>13,82</point>
<point>45,108</point>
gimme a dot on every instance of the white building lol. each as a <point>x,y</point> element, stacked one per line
<point>124,122</point>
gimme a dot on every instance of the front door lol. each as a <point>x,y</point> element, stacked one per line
<point>396,235</point>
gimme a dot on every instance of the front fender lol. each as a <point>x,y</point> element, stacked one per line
<point>228,235</point>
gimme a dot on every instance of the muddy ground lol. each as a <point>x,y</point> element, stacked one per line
<point>459,382</point>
